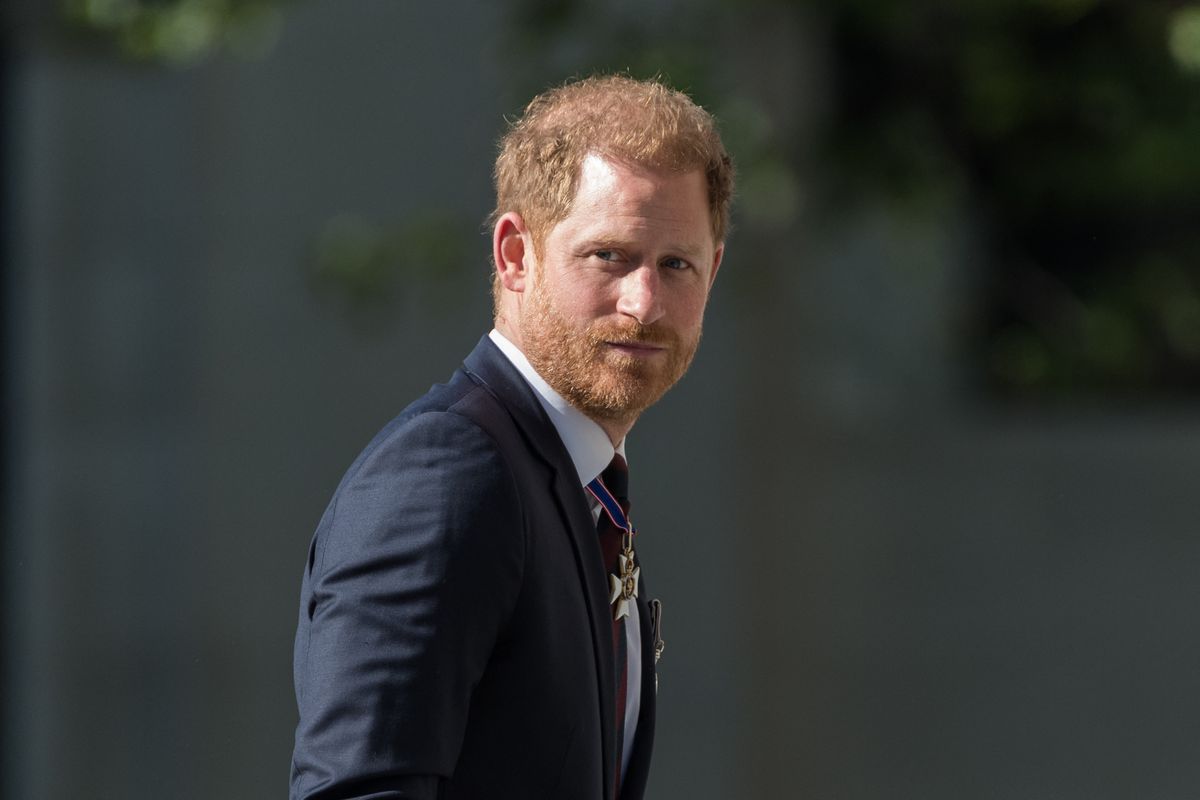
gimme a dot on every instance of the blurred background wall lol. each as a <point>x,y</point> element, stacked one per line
<point>948,378</point>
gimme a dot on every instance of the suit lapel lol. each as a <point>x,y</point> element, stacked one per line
<point>488,366</point>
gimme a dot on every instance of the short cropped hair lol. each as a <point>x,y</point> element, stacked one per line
<point>643,122</point>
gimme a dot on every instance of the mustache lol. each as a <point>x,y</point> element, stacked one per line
<point>634,333</point>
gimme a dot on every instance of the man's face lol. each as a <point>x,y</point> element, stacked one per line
<point>612,312</point>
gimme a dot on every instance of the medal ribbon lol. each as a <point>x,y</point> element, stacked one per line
<point>611,506</point>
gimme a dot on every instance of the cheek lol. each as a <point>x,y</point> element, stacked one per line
<point>579,303</point>
<point>588,298</point>
<point>689,309</point>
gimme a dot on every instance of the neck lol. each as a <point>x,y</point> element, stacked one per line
<point>616,430</point>
<point>511,332</point>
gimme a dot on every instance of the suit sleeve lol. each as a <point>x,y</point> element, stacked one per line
<point>412,575</point>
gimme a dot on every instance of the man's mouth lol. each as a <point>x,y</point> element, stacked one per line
<point>641,349</point>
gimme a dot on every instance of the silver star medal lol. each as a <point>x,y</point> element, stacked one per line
<point>624,585</point>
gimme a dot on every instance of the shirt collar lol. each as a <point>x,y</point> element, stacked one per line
<point>586,442</point>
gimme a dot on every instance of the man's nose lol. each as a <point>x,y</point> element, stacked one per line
<point>641,294</point>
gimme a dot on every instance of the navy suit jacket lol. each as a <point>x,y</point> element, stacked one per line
<point>455,635</point>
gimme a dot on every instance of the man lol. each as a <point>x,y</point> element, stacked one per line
<point>473,620</point>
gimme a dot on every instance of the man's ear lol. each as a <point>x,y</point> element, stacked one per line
<point>512,250</point>
<point>717,256</point>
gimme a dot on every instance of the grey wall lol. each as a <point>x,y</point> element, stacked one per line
<point>185,401</point>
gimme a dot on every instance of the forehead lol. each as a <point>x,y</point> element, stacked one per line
<point>613,189</point>
<point>599,171</point>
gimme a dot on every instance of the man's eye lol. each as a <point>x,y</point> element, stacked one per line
<point>674,263</point>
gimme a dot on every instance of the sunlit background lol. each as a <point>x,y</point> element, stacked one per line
<point>923,517</point>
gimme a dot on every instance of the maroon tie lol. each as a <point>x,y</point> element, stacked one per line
<point>616,479</point>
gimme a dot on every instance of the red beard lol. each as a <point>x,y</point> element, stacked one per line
<point>603,383</point>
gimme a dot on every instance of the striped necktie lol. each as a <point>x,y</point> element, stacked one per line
<point>616,479</point>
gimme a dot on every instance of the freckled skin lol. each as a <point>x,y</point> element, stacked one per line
<point>611,313</point>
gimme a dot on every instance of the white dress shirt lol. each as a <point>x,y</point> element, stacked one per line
<point>590,451</point>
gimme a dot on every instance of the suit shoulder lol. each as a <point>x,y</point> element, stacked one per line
<point>461,417</point>
<point>435,460</point>
<point>444,444</point>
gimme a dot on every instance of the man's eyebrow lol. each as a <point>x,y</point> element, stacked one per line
<point>605,243</point>
<point>614,243</point>
<point>691,251</point>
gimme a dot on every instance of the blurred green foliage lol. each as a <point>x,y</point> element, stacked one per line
<point>1068,131</point>
<point>175,32</point>
<point>367,266</point>
<point>1071,131</point>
